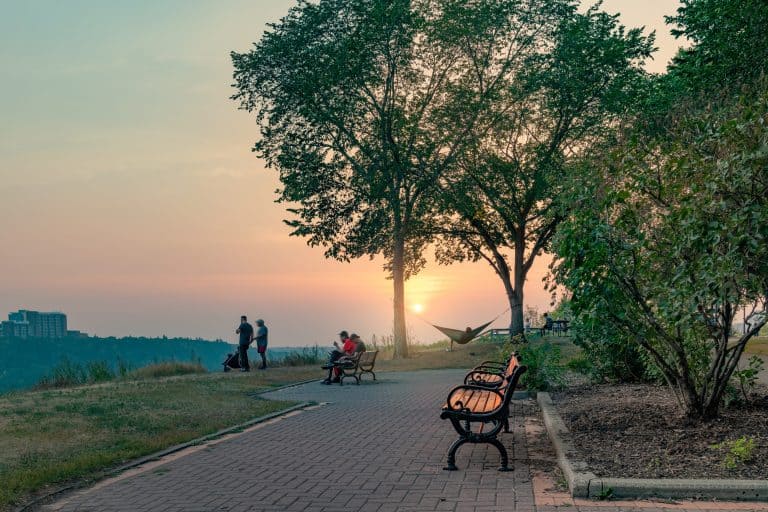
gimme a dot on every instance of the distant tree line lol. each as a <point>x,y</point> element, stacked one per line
<point>26,361</point>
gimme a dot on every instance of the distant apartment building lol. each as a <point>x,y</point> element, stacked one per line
<point>34,324</point>
<point>13,329</point>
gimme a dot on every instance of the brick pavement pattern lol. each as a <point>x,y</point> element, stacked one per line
<point>377,447</point>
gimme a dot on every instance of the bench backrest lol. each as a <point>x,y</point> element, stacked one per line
<point>368,358</point>
<point>512,381</point>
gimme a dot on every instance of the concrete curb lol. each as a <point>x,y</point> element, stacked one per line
<point>584,484</point>
<point>575,471</point>
<point>42,500</point>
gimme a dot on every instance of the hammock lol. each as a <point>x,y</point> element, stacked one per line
<point>462,337</point>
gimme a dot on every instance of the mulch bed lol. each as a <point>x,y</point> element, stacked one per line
<point>638,431</point>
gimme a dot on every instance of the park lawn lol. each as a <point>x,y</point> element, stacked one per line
<point>758,346</point>
<point>437,356</point>
<point>51,437</point>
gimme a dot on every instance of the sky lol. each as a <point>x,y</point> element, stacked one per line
<point>130,199</point>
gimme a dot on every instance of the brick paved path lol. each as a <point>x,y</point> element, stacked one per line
<point>375,447</point>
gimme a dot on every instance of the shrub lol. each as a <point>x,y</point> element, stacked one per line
<point>99,371</point>
<point>304,357</point>
<point>65,374</point>
<point>739,451</point>
<point>545,372</point>
<point>609,356</point>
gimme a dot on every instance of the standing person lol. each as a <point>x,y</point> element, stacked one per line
<point>246,338</point>
<point>261,342</point>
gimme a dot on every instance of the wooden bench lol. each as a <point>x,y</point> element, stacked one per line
<point>478,413</point>
<point>492,374</point>
<point>357,365</point>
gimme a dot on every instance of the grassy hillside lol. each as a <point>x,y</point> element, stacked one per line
<point>24,362</point>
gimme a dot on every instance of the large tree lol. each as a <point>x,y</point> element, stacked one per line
<point>363,104</point>
<point>500,203</point>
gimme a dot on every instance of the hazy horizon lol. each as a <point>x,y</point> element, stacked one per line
<point>130,199</point>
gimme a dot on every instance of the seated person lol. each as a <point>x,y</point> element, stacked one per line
<point>347,349</point>
<point>548,324</point>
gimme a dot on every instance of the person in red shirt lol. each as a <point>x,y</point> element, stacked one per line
<point>347,348</point>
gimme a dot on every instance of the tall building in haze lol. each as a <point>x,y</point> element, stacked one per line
<point>34,324</point>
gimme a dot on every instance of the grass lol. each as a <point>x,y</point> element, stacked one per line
<point>758,345</point>
<point>168,369</point>
<point>53,436</point>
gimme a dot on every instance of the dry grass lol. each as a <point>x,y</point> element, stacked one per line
<point>53,436</point>
<point>758,346</point>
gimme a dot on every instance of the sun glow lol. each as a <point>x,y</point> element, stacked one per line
<point>417,308</point>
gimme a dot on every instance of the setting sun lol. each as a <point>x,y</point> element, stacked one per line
<point>417,308</point>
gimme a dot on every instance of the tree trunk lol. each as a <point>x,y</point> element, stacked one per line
<point>516,302</point>
<point>398,280</point>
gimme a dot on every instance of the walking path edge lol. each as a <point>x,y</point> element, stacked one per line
<point>41,500</point>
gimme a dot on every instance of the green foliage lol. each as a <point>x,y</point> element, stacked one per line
<point>580,364</point>
<point>26,361</point>
<point>303,357</point>
<point>64,374</point>
<point>606,494</point>
<point>729,47</point>
<point>543,359</point>
<point>665,239</point>
<point>576,76</point>
<point>738,451</point>
<point>608,354</point>
<point>747,378</point>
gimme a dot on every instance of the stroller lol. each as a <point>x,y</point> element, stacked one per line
<point>232,362</point>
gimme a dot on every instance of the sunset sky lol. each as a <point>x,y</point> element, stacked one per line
<point>130,199</point>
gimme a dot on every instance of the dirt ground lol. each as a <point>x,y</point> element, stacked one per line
<point>638,431</point>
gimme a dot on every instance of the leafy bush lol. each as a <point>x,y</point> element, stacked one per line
<point>609,356</point>
<point>545,372</point>
<point>747,378</point>
<point>65,374</point>
<point>99,371</point>
<point>68,374</point>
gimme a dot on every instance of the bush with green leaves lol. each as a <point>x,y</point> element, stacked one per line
<point>545,370</point>
<point>738,451</point>
<point>667,238</point>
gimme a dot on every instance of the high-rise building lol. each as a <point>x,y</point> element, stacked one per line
<point>14,329</point>
<point>35,324</point>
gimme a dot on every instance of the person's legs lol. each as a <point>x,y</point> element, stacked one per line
<point>243,353</point>
<point>263,354</point>
<point>332,358</point>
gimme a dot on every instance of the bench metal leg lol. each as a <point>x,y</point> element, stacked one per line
<point>503,452</point>
<point>452,453</point>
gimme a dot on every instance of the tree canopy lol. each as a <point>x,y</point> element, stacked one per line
<point>500,203</point>
<point>363,104</point>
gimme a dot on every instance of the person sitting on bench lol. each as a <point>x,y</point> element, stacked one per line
<point>347,349</point>
<point>548,324</point>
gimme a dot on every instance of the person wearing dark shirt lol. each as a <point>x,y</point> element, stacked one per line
<point>261,342</point>
<point>246,338</point>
